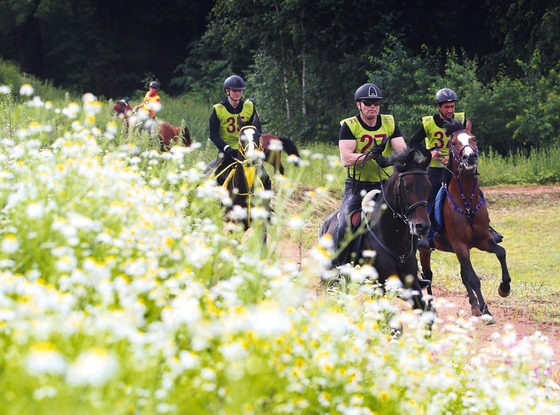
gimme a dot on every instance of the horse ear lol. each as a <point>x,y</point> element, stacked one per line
<point>427,156</point>
<point>468,125</point>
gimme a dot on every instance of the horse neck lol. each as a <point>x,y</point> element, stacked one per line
<point>388,224</point>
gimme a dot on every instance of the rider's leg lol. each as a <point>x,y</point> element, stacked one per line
<point>434,174</point>
<point>350,203</point>
<point>498,237</point>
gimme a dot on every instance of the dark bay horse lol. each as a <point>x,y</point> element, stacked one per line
<point>247,177</point>
<point>399,217</point>
<point>463,219</point>
<point>168,135</point>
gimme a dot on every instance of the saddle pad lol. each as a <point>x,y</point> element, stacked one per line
<point>438,211</point>
<point>355,218</point>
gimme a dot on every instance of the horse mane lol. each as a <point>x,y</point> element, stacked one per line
<point>401,162</point>
<point>453,126</point>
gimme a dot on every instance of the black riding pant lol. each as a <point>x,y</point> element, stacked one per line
<point>354,192</point>
<point>435,176</point>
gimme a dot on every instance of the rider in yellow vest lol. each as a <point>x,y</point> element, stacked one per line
<point>432,132</point>
<point>152,102</point>
<point>227,118</point>
<point>357,137</point>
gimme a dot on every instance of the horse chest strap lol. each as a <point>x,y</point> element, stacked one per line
<point>250,174</point>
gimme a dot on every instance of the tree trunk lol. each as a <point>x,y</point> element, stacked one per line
<point>29,46</point>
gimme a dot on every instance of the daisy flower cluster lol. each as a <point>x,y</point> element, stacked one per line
<point>121,292</point>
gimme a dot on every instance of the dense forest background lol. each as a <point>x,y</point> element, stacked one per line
<point>303,60</point>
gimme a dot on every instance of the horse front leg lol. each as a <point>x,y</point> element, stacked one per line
<point>500,252</point>
<point>425,262</point>
<point>471,283</point>
<point>505,287</point>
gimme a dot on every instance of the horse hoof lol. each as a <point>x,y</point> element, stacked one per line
<point>476,311</point>
<point>503,293</point>
<point>488,319</point>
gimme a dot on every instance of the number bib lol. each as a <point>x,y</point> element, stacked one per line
<point>436,137</point>
<point>365,141</point>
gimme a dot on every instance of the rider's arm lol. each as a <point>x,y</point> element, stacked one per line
<point>417,139</point>
<point>398,144</point>
<point>347,147</point>
<point>215,132</point>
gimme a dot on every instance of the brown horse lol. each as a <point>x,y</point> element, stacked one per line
<point>273,146</point>
<point>168,135</point>
<point>399,217</point>
<point>463,219</point>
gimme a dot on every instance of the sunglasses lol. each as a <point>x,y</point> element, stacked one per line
<point>369,103</point>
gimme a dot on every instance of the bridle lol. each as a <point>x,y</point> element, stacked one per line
<point>462,164</point>
<point>404,208</point>
<point>467,209</point>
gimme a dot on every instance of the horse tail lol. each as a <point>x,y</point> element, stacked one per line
<point>289,146</point>
<point>186,134</point>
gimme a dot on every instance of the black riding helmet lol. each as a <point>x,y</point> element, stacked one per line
<point>445,95</point>
<point>154,84</point>
<point>234,82</point>
<point>368,91</point>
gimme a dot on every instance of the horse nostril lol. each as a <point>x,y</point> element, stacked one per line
<point>422,229</point>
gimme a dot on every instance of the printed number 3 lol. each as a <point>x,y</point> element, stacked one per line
<point>231,125</point>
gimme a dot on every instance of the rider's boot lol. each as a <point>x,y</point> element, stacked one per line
<point>498,237</point>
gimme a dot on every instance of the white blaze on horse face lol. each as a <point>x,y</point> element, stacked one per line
<point>248,142</point>
<point>464,139</point>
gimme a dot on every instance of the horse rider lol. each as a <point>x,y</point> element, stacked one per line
<point>226,119</point>
<point>432,131</point>
<point>357,137</point>
<point>152,102</point>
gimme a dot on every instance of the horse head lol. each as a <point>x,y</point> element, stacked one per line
<point>462,146</point>
<point>249,146</point>
<point>409,186</point>
<point>122,108</point>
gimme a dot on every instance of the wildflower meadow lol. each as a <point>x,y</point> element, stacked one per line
<point>122,292</point>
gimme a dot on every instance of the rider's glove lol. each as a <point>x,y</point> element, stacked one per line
<point>376,152</point>
<point>383,161</point>
<point>228,151</point>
